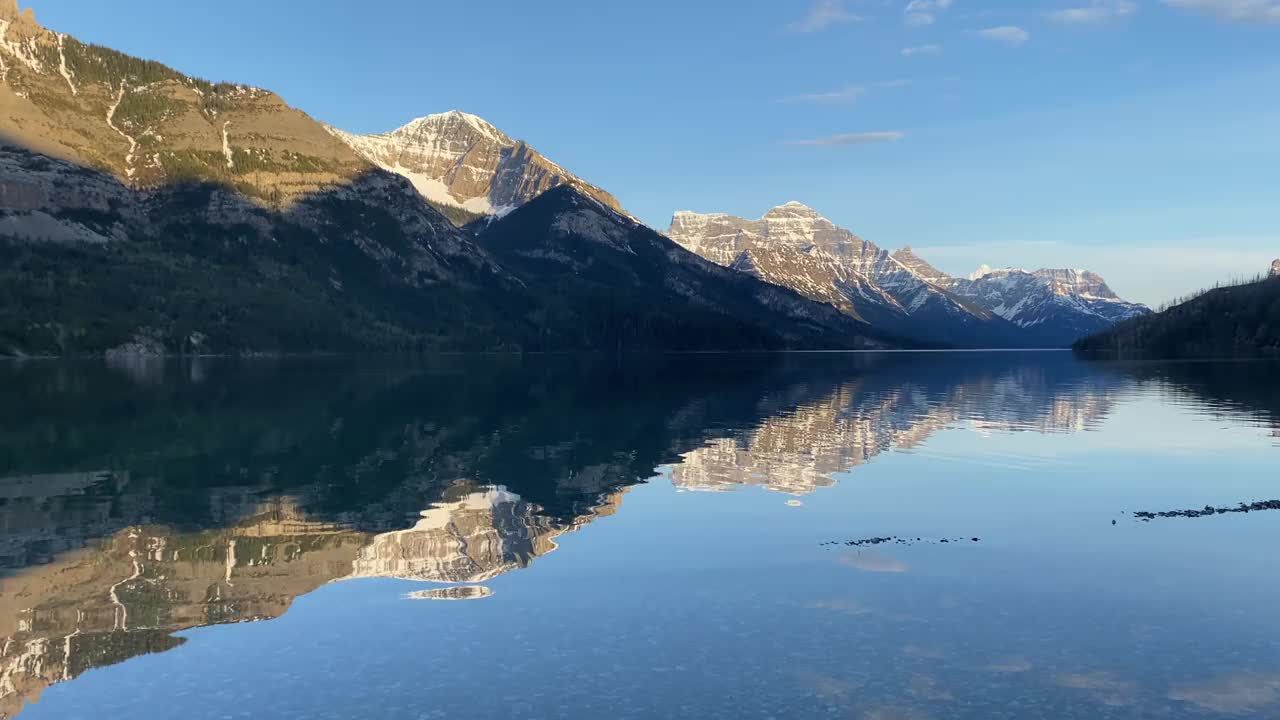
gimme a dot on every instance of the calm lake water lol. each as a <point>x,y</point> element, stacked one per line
<point>554,537</point>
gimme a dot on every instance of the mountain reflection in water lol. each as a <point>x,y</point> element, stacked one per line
<point>145,499</point>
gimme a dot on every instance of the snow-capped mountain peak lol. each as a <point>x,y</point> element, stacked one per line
<point>440,123</point>
<point>793,208</point>
<point>457,160</point>
<point>1057,302</point>
<point>1275,268</point>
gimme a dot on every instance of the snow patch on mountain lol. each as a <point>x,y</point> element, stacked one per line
<point>62,64</point>
<point>226,146</point>
<point>24,51</point>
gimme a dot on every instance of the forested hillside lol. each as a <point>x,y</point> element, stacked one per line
<point>1240,320</point>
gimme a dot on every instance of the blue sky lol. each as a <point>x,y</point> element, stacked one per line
<point>1134,137</point>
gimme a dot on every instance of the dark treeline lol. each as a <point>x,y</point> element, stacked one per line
<point>1233,321</point>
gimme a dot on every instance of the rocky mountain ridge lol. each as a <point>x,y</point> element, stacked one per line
<point>1063,304</point>
<point>792,245</point>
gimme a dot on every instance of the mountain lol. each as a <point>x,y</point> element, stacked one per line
<point>465,166</point>
<point>91,264</point>
<point>144,211</point>
<point>1239,320</point>
<point>1053,307</point>
<point>1275,269</point>
<point>601,275</point>
<point>150,126</point>
<point>149,211</point>
<point>795,247</point>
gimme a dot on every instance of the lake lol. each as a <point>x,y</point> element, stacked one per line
<point>876,536</point>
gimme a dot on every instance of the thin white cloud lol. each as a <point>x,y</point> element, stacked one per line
<point>846,94</point>
<point>862,138</point>
<point>921,50</point>
<point>822,15</point>
<point>919,13</point>
<point>1096,12</point>
<point>1011,35</point>
<point>1247,11</point>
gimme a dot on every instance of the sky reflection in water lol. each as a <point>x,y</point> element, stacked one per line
<point>639,539</point>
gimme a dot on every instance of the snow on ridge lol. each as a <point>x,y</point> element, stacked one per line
<point>434,190</point>
<point>696,214</point>
<point>62,64</point>
<point>24,52</point>
<point>475,122</point>
<point>133,144</point>
<point>226,146</point>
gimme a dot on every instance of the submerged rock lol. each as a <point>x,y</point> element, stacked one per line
<point>1147,516</point>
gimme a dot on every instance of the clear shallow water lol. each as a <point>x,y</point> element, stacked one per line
<point>495,537</point>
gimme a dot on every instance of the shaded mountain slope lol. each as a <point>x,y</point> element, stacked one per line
<point>602,275</point>
<point>91,265</point>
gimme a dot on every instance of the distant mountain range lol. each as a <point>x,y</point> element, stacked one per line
<point>144,211</point>
<point>792,245</point>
